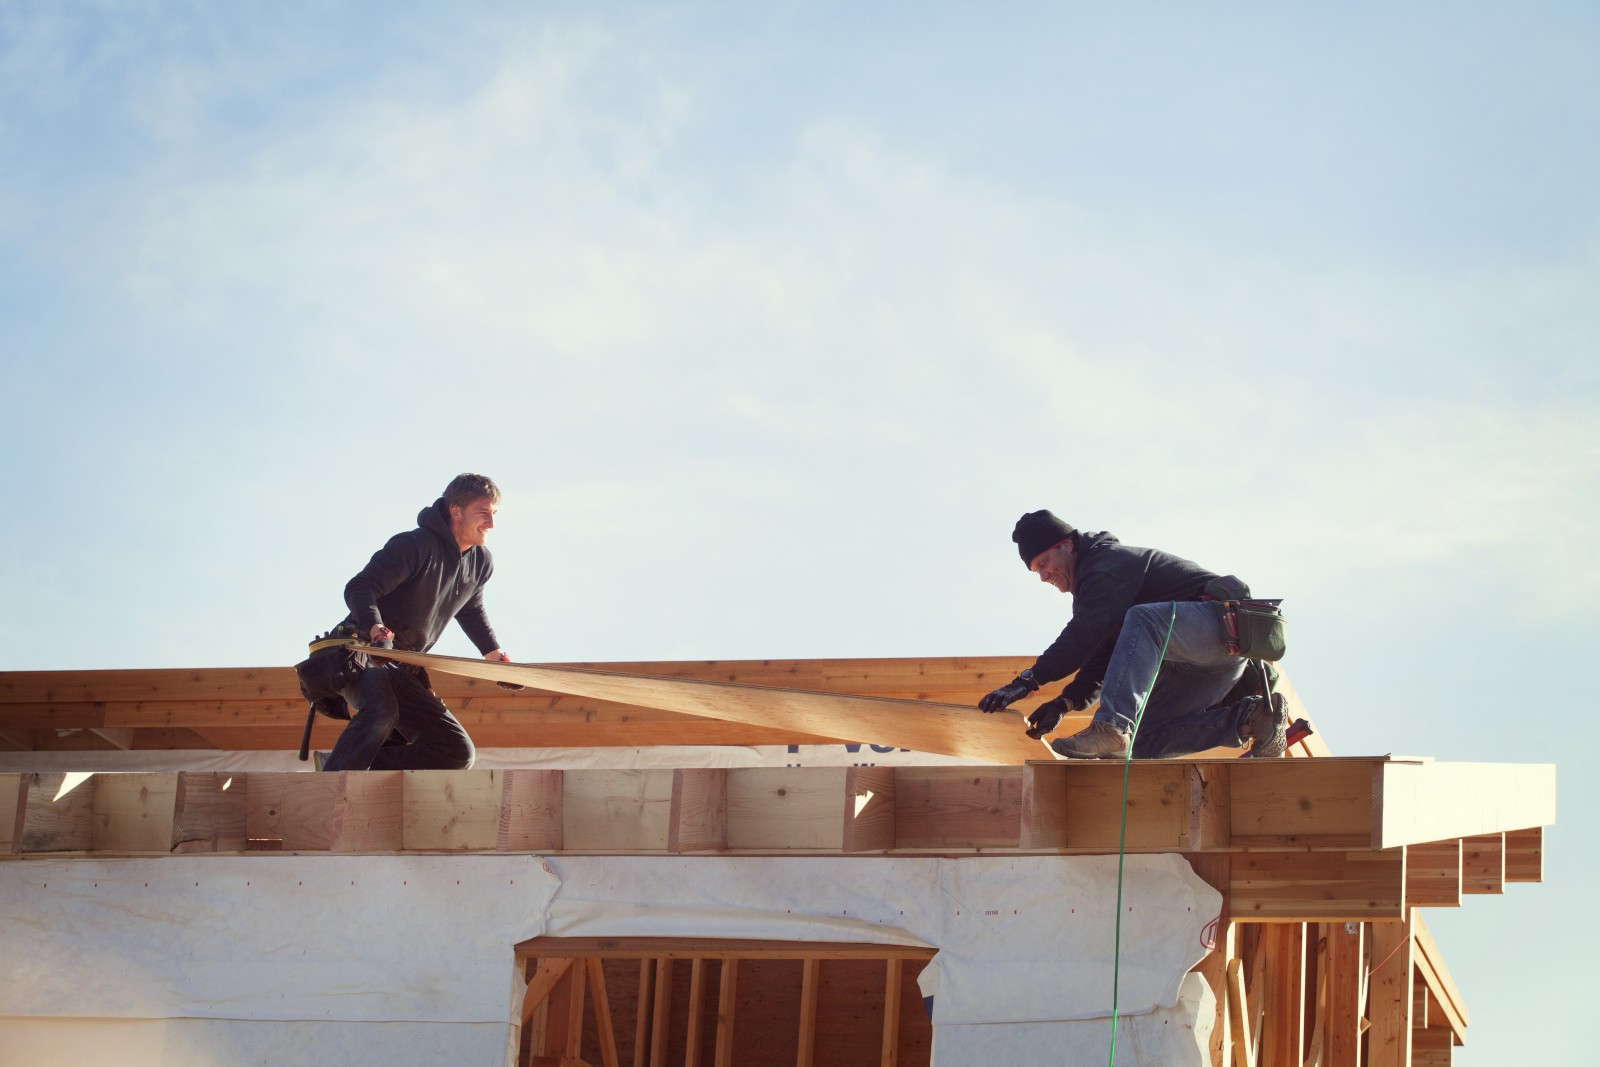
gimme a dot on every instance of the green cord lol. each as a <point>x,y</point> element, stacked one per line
<point>1122,837</point>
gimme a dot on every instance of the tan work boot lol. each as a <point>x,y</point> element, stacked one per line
<point>1266,728</point>
<point>1098,740</point>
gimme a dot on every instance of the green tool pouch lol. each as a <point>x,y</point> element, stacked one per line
<point>1256,629</point>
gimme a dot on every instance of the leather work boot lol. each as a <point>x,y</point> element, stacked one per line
<point>1265,727</point>
<point>1098,740</point>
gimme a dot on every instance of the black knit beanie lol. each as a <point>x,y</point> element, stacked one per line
<point>1037,531</point>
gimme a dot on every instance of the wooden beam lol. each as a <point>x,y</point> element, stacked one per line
<point>1291,803</point>
<point>661,1015</point>
<point>1216,871</point>
<point>1283,994</point>
<point>530,818</point>
<point>13,806</point>
<point>1431,1047</point>
<point>786,807</point>
<point>209,812</point>
<point>341,811</point>
<point>57,818</point>
<point>1433,801</point>
<point>1318,886</point>
<point>1346,963</point>
<point>1432,970</point>
<point>1043,817</point>
<point>717,948</point>
<point>869,810</point>
<point>1389,995</point>
<point>641,1024</point>
<point>1243,1050</point>
<point>1483,864</point>
<point>891,1014</point>
<point>606,1033</point>
<point>620,811</point>
<point>957,807</point>
<point>727,997</point>
<point>451,811</point>
<point>134,812</point>
<point>1433,874</point>
<point>942,728</point>
<point>809,971</point>
<point>698,814</point>
<point>697,989</point>
<point>1525,855</point>
<point>549,972</point>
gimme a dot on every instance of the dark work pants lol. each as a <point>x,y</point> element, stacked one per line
<point>392,699</point>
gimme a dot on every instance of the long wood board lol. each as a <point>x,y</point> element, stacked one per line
<point>945,729</point>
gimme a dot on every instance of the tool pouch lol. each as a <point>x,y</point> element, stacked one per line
<point>1256,629</point>
<point>334,663</point>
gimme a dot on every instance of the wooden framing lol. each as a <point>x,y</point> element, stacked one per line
<point>1322,955</point>
<point>783,981</point>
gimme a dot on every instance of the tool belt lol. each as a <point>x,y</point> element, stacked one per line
<point>334,662</point>
<point>1255,629</point>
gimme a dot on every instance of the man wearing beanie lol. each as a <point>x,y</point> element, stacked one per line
<point>1124,600</point>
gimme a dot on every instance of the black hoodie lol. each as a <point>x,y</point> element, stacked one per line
<point>418,581</point>
<point>1109,578</point>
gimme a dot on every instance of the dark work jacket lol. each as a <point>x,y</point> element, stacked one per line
<point>1108,579</point>
<point>417,582</point>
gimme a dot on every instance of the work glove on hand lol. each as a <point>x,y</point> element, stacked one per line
<point>1047,716</point>
<point>1009,694</point>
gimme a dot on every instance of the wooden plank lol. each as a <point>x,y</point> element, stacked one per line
<point>1431,968</point>
<point>1433,801</point>
<point>58,813</point>
<point>133,812</point>
<point>451,810</point>
<point>620,811</point>
<point>1157,806</point>
<point>718,948</point>
<point>563,1031</point>
<point>577,980</point>
<point>345,811</point>
<point>1389,997</point>
<point>922,727</point>
<point>697,991</point>
<point>13,805</point>
<point>368,811</point>
<point>956,807</point>
<point>786,807</point>
<point>698,815</point>
<point>1346,962</point>
<point>1244,1051</point>
<point>1483,864</point>
<point>1431,1047</point>
<point>209,812</point>
<point>727,995</point>
<point>1433,874</point>
<point>549,972</point>
<point>641,1026</point>
<point>1318,886</point>
<point>530,818</point>
<point>661,1014</point>
<point>869,813</point>
<point>1283,995</point>
<point>1293,801</point>
<point>22,687</point>
<point>1210,807</point>
<point>891,1014</point>
<point>809,973</point>
<point>1044,807</point>
<point>1525,855</point>
<point>602,1013</point>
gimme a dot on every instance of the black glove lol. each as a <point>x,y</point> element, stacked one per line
<point>1047,716</point>
<point>1009,694</point>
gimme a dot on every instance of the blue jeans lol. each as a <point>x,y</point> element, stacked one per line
<point>392,699</point>
<point>1180,712</point>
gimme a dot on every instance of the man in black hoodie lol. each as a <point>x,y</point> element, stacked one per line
<point>1134,611</point>
<point>406,594</point>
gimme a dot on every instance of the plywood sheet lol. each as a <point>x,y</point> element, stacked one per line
<point>946,729</point>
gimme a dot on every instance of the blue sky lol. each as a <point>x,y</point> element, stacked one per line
<point>770,320</point>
